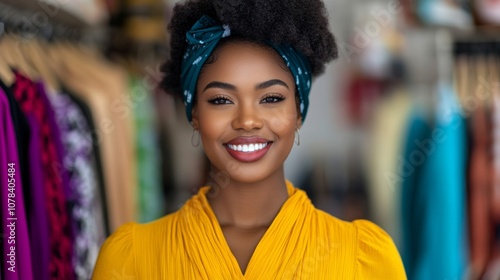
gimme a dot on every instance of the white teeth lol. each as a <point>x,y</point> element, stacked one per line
<point>247,148</point>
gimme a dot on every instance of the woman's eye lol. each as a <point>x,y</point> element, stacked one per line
<point>273,99</point>
<point>220,101</point>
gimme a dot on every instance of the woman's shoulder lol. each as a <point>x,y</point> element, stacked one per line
<point>122,251</point>
<point>140,232</point>
<point>362,233</point>
<point>156,228</point>
<point>369,234</point>
<point>373,250</point>
<point>377,256</point>
<point>116,254</point>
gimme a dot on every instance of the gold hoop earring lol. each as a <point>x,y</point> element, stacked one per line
<point>195,138</point>
<point>297,137</point>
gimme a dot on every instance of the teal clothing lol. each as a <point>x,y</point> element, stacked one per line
<point>434,241</point>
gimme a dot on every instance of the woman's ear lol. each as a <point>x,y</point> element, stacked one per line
<point>298,122</point>
<point>194,117</point>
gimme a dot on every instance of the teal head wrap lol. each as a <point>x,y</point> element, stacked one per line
<point>202,40</point>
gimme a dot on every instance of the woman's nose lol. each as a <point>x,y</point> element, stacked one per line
<point>247,118</point>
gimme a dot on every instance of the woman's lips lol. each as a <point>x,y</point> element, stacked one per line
<point>248,149</point>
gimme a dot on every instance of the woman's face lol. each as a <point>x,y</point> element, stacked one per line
<point>246,112</point>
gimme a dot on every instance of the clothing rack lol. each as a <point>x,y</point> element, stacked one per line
<point>477,46</point>
<point>46,22</point>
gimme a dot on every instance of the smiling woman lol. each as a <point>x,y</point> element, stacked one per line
<point>247,98</point>
<point>246,91</point>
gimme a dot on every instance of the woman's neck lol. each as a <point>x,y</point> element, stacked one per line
<point>248,205</point>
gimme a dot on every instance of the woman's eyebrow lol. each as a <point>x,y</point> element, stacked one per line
<point>270,83</point>
<point>260,86</point>
<point>220,85</point>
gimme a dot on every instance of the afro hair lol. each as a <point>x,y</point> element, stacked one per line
<point>302,24</point>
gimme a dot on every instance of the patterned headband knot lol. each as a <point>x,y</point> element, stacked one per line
<point>202,40</point>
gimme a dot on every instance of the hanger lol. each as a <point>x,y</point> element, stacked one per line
<point>10,47</point>
<point>6,74</point>
<point>35,52</point>
<point>63,66</point>
<point>75,67</point>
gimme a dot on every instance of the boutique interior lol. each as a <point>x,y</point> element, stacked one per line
<point>402,129</point>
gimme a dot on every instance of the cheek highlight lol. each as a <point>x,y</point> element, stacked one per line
<point>284,117</point>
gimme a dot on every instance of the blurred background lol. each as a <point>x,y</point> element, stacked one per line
<point>402,129</point>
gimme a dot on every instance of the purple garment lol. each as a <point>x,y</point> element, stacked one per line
<point>84,200</point>
<point>56,138</point>
<point>39,223</point>
<point>61,152</point>
<point>20,240</point>
<point>31,99</point>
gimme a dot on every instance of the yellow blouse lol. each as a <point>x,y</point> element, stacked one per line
<point>301,243</point>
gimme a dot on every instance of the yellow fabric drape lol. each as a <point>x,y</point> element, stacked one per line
<point>301,243</point>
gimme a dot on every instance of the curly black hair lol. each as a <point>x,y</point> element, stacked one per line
<point>302,24</point>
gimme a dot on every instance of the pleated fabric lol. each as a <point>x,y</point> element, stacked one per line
<point>301,243</point>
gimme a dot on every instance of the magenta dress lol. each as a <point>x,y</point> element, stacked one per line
<point>16,244</point>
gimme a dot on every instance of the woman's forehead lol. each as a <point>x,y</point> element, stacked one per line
<point>245,58</point>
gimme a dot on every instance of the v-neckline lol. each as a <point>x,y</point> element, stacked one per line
<point>220,234</point>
